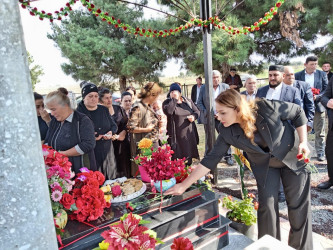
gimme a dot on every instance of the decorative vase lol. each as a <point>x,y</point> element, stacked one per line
<point>166,184</point>
<point>61,219</point>
<point>144,175</point>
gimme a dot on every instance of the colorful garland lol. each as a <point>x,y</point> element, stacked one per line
<point>196,22</point>
<point>25,4</point>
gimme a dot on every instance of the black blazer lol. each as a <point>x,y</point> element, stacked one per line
<point>320,82</point>
<point>272,124</point>
<point>288,94</point>
<point>307,100</point>
<point>194,93</point>
<point>327,95</point>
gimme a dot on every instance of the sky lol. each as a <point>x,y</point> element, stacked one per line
<point>46,54</point>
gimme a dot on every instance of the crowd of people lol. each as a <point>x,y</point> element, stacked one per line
<point>270,124</point>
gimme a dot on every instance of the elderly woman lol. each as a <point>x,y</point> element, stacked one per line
<point>121,142</point>
<point>104,126</point>
<point>181,114</point>
<point>105,98</point>
<point>266,130</point>
<point>70,132</point>
<point>143,121</point>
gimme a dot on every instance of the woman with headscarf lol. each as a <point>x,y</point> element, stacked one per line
<point>181,114</point>
<point>70,132</point>
<point>121,142</point>
<point>143,121</point>
<point>104,126</point>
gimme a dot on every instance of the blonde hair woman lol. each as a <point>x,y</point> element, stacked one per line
<point>143,121</point>
<point>262,129</point>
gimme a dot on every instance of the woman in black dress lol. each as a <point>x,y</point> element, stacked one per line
<point>122,148</point>
<point>181,114</point>
<point>105,127</point>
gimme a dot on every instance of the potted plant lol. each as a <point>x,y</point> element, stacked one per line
<point>242,213</point>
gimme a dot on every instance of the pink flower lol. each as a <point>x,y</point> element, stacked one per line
<point>56,196</point>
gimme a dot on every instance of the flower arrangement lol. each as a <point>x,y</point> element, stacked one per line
<point>129,234</point>
<point>181,244</point>
<point>241,211</point>
<point>309,165</point>
<point>315,91</point>
<point>89,198</point>
<point>59,175</point>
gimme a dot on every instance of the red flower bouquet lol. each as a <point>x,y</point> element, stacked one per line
<point>89,198</point>
<point>129,234</point>
<point>160,166</point>
<point>59,175</point>
<point>315,91</point>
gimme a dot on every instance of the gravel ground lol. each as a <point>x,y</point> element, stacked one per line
<point>322,200</point>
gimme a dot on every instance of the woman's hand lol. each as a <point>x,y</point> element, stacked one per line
<point>45,116</point>
<point>177,189</point>
<point>191,118</point>
<point>303,149</point>
<point>98,137</point>
<point>107,136</point>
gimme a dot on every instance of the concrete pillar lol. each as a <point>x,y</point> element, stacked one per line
<point>26,220</point>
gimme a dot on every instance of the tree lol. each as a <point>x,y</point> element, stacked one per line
<point>101,53</point>
<point>290,33</point>
<point>326,52</point>
<point>35,71</point>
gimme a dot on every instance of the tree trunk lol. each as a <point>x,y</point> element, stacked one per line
<point>225,69</point>
<point>122,83</point>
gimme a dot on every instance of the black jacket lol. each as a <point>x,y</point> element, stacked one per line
<point>81,133</point>
<point>272,124</point>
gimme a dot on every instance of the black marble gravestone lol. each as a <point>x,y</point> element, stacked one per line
<point>194,215</point>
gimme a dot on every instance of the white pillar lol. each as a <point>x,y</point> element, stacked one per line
<point>26,220</point>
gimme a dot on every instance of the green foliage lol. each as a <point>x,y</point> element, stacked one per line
<point>35,71</point>
<point>241,211</point>
<point>326,52</point>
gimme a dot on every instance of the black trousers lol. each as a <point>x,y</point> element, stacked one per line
<point>329,154</point>
<point>297,192</point>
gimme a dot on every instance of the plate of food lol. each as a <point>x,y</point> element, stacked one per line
<point>123,189</point>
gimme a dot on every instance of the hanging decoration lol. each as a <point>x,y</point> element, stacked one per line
<point>57,15</point>
<point>117,23</point>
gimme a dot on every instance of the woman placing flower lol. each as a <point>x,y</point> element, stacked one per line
<point>143,121</point>
<point>262,129</point>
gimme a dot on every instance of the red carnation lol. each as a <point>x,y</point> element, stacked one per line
<point>128,206</point>
<point>98,11</point>
<point>92,6</point>
<point>116,190</point>
<point>256,205</point>
<point>67,201</point>
<point>119,22</point>
<point>306,160</point>
<point>299,156</point>
<point>278,5</point>
<point>182,244</point>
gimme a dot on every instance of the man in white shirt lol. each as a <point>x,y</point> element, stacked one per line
<point>251,88</point>
<point>318,80</point>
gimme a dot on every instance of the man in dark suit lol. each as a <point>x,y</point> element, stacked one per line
<point>196,90</point>
<point>317,79</point>
<point>305,92</point>
<point>327,101</point>
<point>277,90</point>
<point>202,103</point>
<point>326,67</point>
